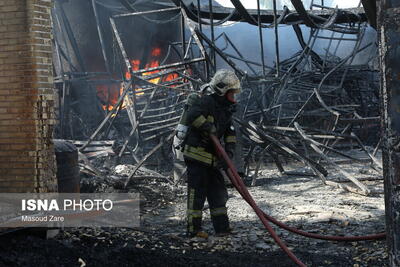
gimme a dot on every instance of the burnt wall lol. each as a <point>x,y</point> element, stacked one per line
<point>27,162</point>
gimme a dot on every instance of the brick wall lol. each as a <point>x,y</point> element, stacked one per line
<point>27,161</point>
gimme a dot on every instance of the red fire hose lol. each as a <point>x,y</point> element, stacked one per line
<point>242,189</point>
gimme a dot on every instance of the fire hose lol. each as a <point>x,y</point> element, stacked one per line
<point>265,218</point>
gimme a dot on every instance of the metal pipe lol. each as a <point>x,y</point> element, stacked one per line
<point>195,60</point>
<point>63,38</point>
<point>246,61</point>
<point>220,53</point>
<point>213,56</point>
<point>147,12</point>
<point>198,16</point>
<point>71,37</point>
<point>261,37</point>
<point>183,37</point>
<point>103,49</point>
<point>276,39</point>
<point>238,52</point>
<point>121,45</point>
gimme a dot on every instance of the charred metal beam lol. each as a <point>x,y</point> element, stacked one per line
<point>147,12</point>
<point>135,126</point>
<point>174,119</point>
<point>71,37</point>
<point>173,65</point>
<point>228,40</point>
<point>158,135</point>
<point>101,38</point>
<point>170,125</point>
<point>116,107</point>
<point>213,57</point>
<point>260,33</point>
<point>314,145</point>
<point>267,16</point>
<point>121,45</point>
<point>220,53</point>
<point>309,21</point>
<point>370,11</point>
<point>140,163</point>
<point>165,108</point>
<point>59,36</point>
<point>299,34</point>
<point>183,38</point>
<point>276,39</point>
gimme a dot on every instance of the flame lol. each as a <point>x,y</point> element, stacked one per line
<point>171,76</point>
<point>108,94</point>
<point>111,95</point>
<point>156,52</point>
<point>152,64</point>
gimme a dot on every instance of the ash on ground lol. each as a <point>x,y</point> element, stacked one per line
<point>301,202</point>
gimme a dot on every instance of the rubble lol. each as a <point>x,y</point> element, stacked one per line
<point>330,95</point>
<point>309,127</point>
<point>299,201</point>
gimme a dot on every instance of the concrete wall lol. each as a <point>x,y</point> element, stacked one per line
<point>27,161</point>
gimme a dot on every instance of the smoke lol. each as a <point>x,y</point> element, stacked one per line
<point>247,40</point>
<point>138,34</point>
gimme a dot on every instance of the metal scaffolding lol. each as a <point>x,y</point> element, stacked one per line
<point>304,107</point>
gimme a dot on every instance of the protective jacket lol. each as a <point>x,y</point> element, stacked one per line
<point>209,110</point>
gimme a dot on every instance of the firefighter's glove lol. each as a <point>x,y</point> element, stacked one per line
<point>208,129</point>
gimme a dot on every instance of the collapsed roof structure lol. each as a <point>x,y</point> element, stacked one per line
<point>148,57</point>
<point>124,68</point>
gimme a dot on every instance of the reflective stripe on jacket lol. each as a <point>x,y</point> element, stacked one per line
<point>213,109</point>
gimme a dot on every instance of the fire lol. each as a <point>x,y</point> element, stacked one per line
<point>156,52</point>
<point>152,64</point>
<point>171,76</point>
<point>110,94</point>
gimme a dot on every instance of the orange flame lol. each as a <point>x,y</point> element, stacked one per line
<point>156,52</point>
<point>111,95</point>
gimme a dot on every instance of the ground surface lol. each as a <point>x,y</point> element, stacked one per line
<point>302,202</point>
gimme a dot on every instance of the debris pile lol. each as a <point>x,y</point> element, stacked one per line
<point>307,106</point>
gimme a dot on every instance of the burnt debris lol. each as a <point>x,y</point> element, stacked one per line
<point>306,106</point>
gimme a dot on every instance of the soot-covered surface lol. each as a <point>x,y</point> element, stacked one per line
<point>160,241</point>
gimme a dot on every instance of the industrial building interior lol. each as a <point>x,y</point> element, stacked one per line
<point>92,91</point>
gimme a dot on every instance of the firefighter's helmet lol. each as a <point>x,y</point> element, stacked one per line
<point>223,81</point>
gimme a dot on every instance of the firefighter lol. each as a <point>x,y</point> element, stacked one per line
<point>211,114</point>
<point>181,131</point>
